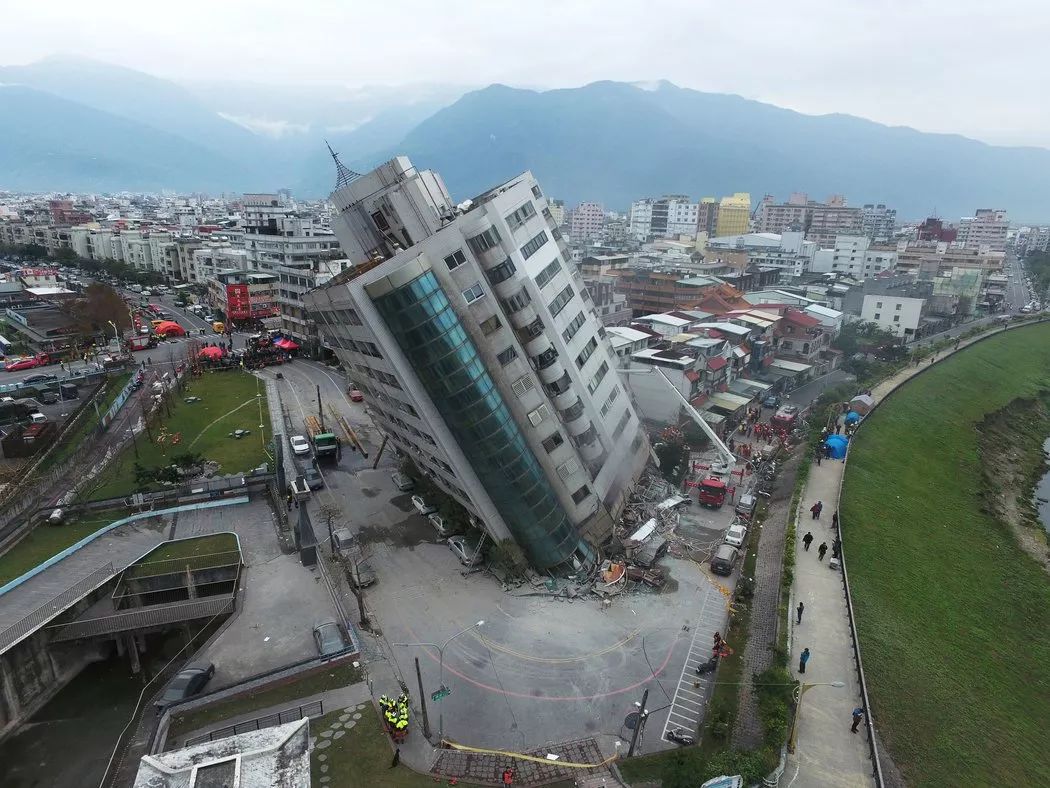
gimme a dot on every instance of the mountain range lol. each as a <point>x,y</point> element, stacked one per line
<point>74,125</point>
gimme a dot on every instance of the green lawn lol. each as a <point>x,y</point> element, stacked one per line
<point>953,616</point>
<point>362,757</point>
<point>44,541</point>
<point>89,424</point>
<point>283,694</point>
<point>211,550</point>
<point>228,401</point>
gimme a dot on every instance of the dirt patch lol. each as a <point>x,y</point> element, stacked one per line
<point>408,533</point>
<point>369,492</point>
<point>1010,443</point>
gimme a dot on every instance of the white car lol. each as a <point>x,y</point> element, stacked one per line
<point>736,535</point>
<point>466,550</point>
<point>300,445</point>
<point>422,506</point>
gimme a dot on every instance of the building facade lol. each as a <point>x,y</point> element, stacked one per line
<point>878,222</point>
<point>481,357</point>
<point>987,228</point>
<point>734,214</point>
<point>854,256</point>
<point>828,221</point>
<point>588,218</point>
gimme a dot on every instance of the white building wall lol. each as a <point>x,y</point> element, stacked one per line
<point>898,315</point>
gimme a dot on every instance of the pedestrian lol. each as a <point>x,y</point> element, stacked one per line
<point>835,521</point>
<point>827,452</point>
<point>819,456</point>
<point>802,660</point>
<point>397,758</point>
<point>858,715</point>
<point>149,361</point>
<point>822,550</point>
<point>806,540</point>
<point>815,509</point>
<point>799,610</point>
<point>820,508</point>
<point>836,548</point>
<point>508,776</point>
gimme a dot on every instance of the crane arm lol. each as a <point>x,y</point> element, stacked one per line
<point>727,457</point>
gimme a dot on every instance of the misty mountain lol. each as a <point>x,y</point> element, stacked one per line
<point>48,143</point>
<point>615,142</point>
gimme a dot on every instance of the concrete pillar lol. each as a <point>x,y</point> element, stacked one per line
<point>119,640</point>
<point>133,654</point>
<point>8,690</point>
<point>191,587</point>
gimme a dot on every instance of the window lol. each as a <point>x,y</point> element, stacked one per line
<point>896,318</point>
<point>501,272</point>
<point>507,356</point>
<point>380,221</point>
<point>538,415</point>
<point>878,305</point>
<point>521,385</point>
<point>626,417</point>
<point>548,273</point>
<point>598,377</point>
<point>581,493</point>
<point>560,300</point>
<point>520,216</point>
<point>585,354</point>
<point>613,395</point>
<point>536,192</point>
<point>898,307</point>
<point>573,327</point>
<point>517,302</point>
<point>484,241</point>
<point>455,260</point>
<point>877,315</point>
<point>552,442</point>
<point>490,325</point>
<point>473,293</point>
<point>533,246</point>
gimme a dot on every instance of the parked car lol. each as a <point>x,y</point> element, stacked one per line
<point>356,396</point>
<point>49,397</point>
<point>300,445</point>
<point>422,506</point>
<point>724,559</point>
<point>187,682</point>
<point>314,479</point>
<point>746,506</point>
<point>40,379</point>
<point>785,417</point>
<point>736,535</point>
<point>445,528</point>
<point>361,575</point>
<point>772,401</point>
<point>402,482</point>
<point>329,639</point>
<point>465,550</point>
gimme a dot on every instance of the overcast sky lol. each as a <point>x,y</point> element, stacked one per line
<point>972,66</point>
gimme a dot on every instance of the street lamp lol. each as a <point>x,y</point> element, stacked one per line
<point>802,690</point>
<point>116,335</point>
<point>441,668</point>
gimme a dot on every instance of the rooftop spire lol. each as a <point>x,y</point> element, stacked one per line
<point>343,174</point>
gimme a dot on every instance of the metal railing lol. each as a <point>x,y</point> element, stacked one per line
<point>144,617</point>
<point>312,709</point>
<point>53,607</point>
<point>167,566</point>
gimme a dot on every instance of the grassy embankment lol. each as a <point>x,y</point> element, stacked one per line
<point>953,614</point>
<point>228,401</point>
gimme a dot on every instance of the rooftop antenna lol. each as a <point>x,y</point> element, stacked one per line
<point>343,174</point>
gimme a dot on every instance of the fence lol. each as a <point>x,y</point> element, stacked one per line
<point>14,633</point>
<point>312,709</point>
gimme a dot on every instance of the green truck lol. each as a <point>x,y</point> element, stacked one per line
<point>326,444</point>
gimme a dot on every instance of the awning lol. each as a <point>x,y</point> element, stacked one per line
<point>711,417</point>
<point>755,384</point>
<point>790,366</point>
<point>739,352</point>
<point>729,402</point>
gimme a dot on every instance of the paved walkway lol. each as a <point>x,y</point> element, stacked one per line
<point>827,754</point>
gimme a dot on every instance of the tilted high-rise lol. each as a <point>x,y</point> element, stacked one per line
<point>480,354</point>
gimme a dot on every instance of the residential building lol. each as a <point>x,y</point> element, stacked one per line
<point>626,341</point>
<point>879,223</point>
<point>935,230</point>
<point>790,253</point>
<point>734,215</point>
<point>1033,239</point>
<point>670,216</point>
<point>828,221</point>
<point>588,218</point>
<point>900,315</point>
<point>854,255</point>
<point>930,260</point>
<point>801,337</point>
<point>557,209</point>
<point>245,298</point>
<point>792,216</point>
<point>482,358</point>
<point>214,258</point>
<point>986,229</point>
<point>652,291</point>
<point>707,216</point>
<point>295,281</point>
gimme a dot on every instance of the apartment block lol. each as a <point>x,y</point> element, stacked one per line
<point>854,255</point>
<point>588,218</point>
<point>878,222</point>
<point>986,229</point>
<point>481,356</point>
<point>734,214</point>
<point>828,221</point>
<point>666,217</point>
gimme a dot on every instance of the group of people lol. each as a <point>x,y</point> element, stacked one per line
<point>395,713</point>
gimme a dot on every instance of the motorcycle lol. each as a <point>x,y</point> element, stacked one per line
<point>679,736</point>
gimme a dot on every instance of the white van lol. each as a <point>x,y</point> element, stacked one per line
<point>37,418</point>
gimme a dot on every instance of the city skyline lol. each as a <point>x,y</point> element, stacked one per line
<point>827,65</point>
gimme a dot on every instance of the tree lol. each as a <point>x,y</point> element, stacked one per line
<point>66,256</point>
<point>333,516</point>
<point>99,305</point>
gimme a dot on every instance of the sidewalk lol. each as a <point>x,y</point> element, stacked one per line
<point>827,754</point>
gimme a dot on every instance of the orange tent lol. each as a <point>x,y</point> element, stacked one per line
<point>169,328</point>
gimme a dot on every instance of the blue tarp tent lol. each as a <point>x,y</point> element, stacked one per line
<point>837,444</point>
<point>852,417</point>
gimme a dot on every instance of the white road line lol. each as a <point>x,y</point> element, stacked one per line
<point>676,710</point>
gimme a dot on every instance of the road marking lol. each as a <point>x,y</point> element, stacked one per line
<point>699,653</point>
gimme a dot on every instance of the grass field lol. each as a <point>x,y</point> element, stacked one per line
<point>227,402</point>
<point>953,616</point>
<point>45,541</point>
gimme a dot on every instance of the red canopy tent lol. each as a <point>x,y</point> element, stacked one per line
<point>169,328</point>
<point>211,352</point>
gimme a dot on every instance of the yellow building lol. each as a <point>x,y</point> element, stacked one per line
<point>734,215</point>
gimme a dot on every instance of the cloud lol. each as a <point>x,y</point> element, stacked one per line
<point>270,128</point>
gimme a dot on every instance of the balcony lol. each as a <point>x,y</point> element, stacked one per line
<point>546,358</point>
<point>572,413</point>
<point>560,386</point>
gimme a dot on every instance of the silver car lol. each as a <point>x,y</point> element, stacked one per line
<point>329,639</point>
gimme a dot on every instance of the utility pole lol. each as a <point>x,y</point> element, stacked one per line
<point>422,701</point>
<point>320,410</point>
<point>641,721</point>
